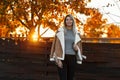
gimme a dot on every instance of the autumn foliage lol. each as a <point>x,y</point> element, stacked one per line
<point>93,26</point>
<point>33,14</point>
<point>113,31</point>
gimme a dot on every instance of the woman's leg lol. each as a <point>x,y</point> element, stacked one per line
<point>71,67</point>
<point>63,71</point>
<point>68,70</point>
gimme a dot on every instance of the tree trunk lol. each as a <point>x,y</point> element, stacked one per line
<point>32,30</point>
<point>39,36</point>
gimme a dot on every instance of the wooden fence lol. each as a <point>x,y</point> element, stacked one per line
<point>24,60</point>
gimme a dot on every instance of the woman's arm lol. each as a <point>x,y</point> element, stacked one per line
<point>53,48</point>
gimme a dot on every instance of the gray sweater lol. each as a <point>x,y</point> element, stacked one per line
<point>69,41</point>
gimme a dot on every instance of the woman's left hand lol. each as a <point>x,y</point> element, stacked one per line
<point>59,63</point>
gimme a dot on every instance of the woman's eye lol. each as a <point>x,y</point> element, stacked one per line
<point>69,20</point>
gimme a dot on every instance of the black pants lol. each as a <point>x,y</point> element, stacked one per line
<point>68,70</point>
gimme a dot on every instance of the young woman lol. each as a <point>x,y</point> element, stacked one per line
<point>67,49</point>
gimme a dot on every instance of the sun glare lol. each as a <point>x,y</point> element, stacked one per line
<point>35,37</point>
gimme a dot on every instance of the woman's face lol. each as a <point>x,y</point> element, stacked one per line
<point>69,22</point>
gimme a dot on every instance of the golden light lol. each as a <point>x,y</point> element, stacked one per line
<point>35,37</point>
<point>49,33</point>
<point>23,32</point>
<point>104,35</point>
<point>20,32</point>
<point>104,30</point>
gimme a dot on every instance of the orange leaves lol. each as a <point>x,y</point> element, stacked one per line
<point>50,13</point>
<point>113,31</point>
<point>93,28</point>
<point>78,5</point>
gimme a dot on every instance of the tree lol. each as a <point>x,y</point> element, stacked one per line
<point>4,18</point>
<point>33,13</point>
<point>93,26</point>
<point>50,13</point>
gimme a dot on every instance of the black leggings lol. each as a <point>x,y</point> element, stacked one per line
<point>68,70</point>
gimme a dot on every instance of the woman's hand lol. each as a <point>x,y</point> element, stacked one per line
<point>59,63</point>
<point>75,47</point>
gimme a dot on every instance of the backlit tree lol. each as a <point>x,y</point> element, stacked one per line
<point>93,26</point>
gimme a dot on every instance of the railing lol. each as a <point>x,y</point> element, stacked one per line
<point>101,40</point>
<point>85,40</point>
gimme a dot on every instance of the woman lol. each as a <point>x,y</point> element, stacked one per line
<point>67,49</point>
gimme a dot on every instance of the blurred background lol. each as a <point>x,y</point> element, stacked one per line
<point>27,28</point>
<point>37,19</point>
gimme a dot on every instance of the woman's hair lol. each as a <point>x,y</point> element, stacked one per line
<point>73,24</point>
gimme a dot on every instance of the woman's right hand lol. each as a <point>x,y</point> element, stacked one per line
<point>59,63</point>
